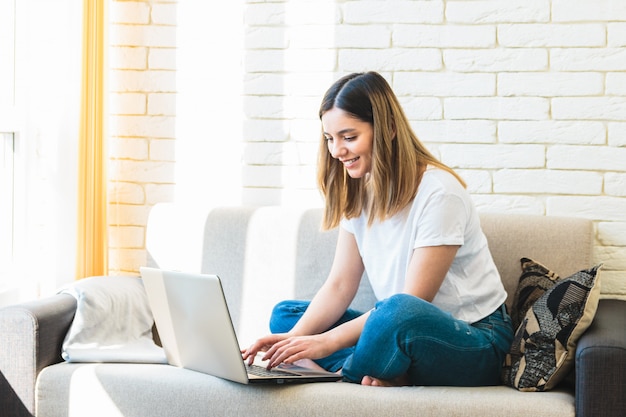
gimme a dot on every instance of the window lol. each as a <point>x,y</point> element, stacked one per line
<point>40,46</point>
<point>7,56</point>
<point>6,203</point>
<point>7,159</point>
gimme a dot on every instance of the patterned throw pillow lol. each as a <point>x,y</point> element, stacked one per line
<point>535,280</point>
<point>544,346</point>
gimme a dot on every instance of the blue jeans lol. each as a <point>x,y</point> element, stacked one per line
<point>405,335</point>
<point>287,313</point>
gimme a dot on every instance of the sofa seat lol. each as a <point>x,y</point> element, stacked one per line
<point>138,390</point>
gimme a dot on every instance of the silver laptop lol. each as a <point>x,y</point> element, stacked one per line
<point>197,333</point>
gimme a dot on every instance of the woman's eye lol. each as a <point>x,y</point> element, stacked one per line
<point>349,138</point>
<point>328,138</point>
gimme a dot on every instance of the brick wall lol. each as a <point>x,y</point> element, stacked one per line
<point>142,123</point>
<point>526,99</point>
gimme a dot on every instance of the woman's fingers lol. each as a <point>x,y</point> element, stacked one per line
<point>263,344</point>
<point>293,349</point>
<point>288,353</point>
<point>274,352</point>
<point>281,348</point>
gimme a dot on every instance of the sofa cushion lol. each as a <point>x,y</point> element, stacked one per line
<point>113,322</point>
<point>542,352</point>
<point>148,390</point>
<point>535,280</point>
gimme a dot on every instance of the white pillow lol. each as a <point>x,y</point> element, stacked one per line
<point>113,322</point>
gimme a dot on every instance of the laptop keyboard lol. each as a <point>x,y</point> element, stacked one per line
<point>262,371</point>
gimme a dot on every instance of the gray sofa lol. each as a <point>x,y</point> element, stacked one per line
<point>280,253</point>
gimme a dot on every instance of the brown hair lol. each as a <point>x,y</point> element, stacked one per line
<point>398,157</point>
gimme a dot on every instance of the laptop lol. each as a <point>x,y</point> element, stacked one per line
<point>197,332</point>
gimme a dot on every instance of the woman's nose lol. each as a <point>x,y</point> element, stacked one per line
<point>336,148</point>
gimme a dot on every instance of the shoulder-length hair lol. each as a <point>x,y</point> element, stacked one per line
<point>398,157</point>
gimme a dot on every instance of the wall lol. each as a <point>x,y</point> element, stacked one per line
<point>526,99</point>
<point>142,123</point>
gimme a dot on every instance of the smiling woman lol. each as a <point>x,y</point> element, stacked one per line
<point>407,222</point>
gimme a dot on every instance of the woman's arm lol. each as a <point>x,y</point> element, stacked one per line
<point>340,288</point>
<point>427,269</point>
<point>328,305</point>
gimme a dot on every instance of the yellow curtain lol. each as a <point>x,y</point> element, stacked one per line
<point>92,242</point>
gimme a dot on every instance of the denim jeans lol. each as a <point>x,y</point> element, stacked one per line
<point>287,313</point>
<point>405,335</point>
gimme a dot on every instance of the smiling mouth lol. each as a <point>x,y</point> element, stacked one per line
<point>348,162</point>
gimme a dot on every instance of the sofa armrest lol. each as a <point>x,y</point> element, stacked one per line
<point>601,363</point>
<point>31,335</point>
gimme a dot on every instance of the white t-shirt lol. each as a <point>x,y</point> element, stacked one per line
<point>442,213</point>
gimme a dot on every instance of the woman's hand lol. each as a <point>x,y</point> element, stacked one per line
<point>262,345</point>
<point>295,348</point>
<point>281,348</point>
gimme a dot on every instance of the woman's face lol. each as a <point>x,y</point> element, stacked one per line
<point>349,140</point>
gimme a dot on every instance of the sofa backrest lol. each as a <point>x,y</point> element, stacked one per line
<point>563,244</point>
<point>267,254</point>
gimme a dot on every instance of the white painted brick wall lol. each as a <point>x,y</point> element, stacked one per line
<point>540,181</point>
<point>444,36</point>
<point>588,59</point>
<point>617,134</point>
<point>162,104</point>
<point>163,13</point>
<point>550,35</point>
<point>129,12</point>
<point>552,132</point>
<point>552,84</point>
<point>588,10</point>
<point>495,11</point>
<point>496,59</point>
<point>444,84</point>
<point>493,156</point>
<point>600,158</point>
<point>127,103</point>
<point>162,58</point>
<point>499,108</point>
<point>525,98</point>
<point>617,35</point>
<point>142,84</point>
<point>456,131</point>
<point>402,11</point>
<point>615,184</point>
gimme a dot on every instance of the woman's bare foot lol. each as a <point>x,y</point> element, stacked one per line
<point>400,381</point>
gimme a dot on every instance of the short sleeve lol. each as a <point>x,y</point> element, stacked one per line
<point>442,221</point>
<point>347,225</point>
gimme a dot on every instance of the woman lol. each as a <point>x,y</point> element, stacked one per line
<point>407,220</point>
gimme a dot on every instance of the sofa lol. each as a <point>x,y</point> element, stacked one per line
<point>278,253</point>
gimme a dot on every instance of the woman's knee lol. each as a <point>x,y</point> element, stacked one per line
<point>286,314</point>
<point>400,306</point>
<point>409,314</point>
